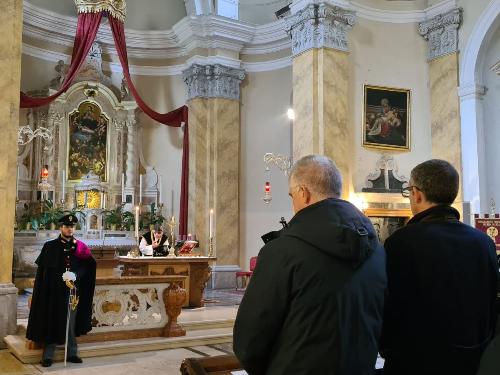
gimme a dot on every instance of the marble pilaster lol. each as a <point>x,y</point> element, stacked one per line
<point>320,86</point>
<point>11,23</point>
<point>445,112</point>
<point>214,132</point>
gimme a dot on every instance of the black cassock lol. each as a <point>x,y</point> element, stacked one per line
<point>49,305</point>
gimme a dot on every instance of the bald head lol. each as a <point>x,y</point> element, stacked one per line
<point>319,175</point>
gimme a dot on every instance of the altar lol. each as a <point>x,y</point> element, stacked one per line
<point>192,272</point>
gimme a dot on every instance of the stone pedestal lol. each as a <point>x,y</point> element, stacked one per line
<point>214,146</point>
<point>320,84</point>
<point>11,23</point>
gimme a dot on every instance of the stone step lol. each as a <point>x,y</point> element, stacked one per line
<point>196,337</point>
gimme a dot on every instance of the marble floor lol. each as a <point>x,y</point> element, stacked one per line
<point>221,304</point>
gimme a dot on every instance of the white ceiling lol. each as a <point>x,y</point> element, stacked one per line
<point>163,14</point>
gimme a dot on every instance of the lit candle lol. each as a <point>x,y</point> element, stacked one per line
<point>160,188</point>
<point>136,221</point>
<point>123,187</point>
<point>211,224</point>
<point>63,187</point>
<point>140,189</point>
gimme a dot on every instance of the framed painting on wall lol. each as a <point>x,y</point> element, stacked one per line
<point>386,118</point>
<point>88,133</point>
<point>387,221</point>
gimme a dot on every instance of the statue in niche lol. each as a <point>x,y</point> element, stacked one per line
<point>125,91</point>
<point>88,139</point>
<point>62,69</point>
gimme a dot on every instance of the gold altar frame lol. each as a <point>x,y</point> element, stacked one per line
<point>68,139</point>
<point>383,213</point>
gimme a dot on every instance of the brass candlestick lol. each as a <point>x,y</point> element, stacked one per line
<point>210,247</point>
<point>171,250</point>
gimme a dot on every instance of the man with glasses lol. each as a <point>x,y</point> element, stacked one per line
<point>442,274</point>
<point>314,304</point>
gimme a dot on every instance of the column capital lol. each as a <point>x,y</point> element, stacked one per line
<point>441,32</point>
<point>319,25</point>
<point>213,81</point>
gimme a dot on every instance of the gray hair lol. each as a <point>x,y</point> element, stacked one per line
<point>319,174</point>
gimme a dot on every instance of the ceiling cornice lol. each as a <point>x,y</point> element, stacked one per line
<point>207,31</point>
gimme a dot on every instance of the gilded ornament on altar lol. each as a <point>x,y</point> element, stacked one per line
<point>93,199</point>
<point>492,232</point>
<point>117,8</point>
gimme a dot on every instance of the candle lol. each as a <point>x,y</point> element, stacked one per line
<point>123,187</point>
<point>140,189</point>
<point>211,224</point>
<point>103,200</point>
<point>136,221</point>
<point>160,188</point>
<point>17,183</point>
<point>63,187</point>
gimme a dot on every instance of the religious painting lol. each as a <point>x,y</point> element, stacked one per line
<point>88,132</point>
<point>386,221</point>
<point>386,118</point>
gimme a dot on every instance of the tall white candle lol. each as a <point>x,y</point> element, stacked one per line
<point>140,189</point>
<point>211,224</point>
<point>123,187</point>
<point>17,183</point>
<point>160,188</point>
<point>63,187</point>
<point>102,199</point>
<point>136,221</point>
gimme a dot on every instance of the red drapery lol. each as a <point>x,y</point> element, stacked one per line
<point>86,30</point>
<point>88,24</point>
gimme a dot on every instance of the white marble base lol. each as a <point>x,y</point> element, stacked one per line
<point>8,311</point>
<point>223,277</point>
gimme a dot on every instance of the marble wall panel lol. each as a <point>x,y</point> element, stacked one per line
<point>445,111</point>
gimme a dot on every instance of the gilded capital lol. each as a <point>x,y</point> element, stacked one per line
<point>117,8</point>
<point>213,81</point>
<point>441,33</point>
<point>319,25</point>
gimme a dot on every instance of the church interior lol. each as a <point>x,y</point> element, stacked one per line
<point>188,114</point>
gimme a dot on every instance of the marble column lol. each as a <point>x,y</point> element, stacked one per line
<point>132,159</point>
<point>214,141</point>
<point>320,84</point>
<point>11,24</point>
<point>441,32</point>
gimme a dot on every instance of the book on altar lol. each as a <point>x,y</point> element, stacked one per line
<point>187,247</point>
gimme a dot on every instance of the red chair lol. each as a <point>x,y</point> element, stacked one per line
<point>245,275</point>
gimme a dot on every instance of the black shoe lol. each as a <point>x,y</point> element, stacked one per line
<point>74,359</point>
<point>46,362</point>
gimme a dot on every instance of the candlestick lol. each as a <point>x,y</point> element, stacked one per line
<point>211,224</point>
<point>140,189</point>
<point>136,222</point>
<point>123,187</point>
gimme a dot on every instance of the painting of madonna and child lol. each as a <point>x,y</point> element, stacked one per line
<point>87,141</point>
<point>386,118</point>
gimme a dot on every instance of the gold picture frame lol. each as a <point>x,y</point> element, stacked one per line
<point>387,221</point>
<point>386,118</point>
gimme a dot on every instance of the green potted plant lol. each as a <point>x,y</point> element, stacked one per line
<point>29,214</point>
<point>114,218</point>
<point>151,217</point>
<point>50,215</point>
<point>128,220</point>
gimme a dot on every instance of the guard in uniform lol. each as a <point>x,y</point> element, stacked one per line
<point>154,242</point>
<point>65,281</point>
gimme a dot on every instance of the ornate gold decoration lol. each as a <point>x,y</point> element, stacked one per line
<point>93,199</point>
<point>116,8</point>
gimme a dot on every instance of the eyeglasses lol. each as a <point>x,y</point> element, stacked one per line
<point>405,192</point>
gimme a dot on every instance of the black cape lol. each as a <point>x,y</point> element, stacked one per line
<point>49,305</point>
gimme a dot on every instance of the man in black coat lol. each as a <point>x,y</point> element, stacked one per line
<point>314,304</point>
<point>51,293</point>
<point>442,277</point>
<point>154,242</point>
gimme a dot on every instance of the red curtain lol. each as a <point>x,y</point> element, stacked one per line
<point>86,30</point>
<point>174,118</point>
